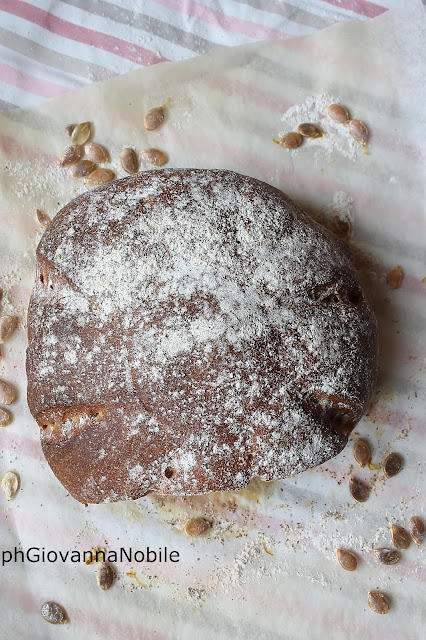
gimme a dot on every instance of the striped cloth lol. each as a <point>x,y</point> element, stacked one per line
<point>50,46</point>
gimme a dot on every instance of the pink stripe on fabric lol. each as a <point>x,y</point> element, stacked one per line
<point>30,83</point>
<point>193,9</point>
<point>363,7</point>
<point>71,31</point>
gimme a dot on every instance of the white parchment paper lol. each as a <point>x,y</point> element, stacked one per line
<point>267,568</point>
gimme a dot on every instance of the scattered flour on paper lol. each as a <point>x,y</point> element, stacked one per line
<point>336,138</point>
<point>342,206</point>
<point>45,182</point>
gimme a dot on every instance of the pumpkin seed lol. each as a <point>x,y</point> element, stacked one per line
<point>400,537</point>
<point>378,602</point>
<point>7,325</point>
<point>358,131</point>
<point>7,393</point>
<point>394,277</point>
<point>338,113</point>
<point>5,418</point>
<point>69,129</point>
<point>71,155</point>
<point>362,453</point>
<point>104,575</point>
<point>43,219</point>
<point>309,130</point>
<point>53,613</point>
<point>196,527</point>
<point>83,168</point>
<point>81,133</point>
<point>129,160</point>
<point>95,152</point>
<point>346,559</point>
<point>153,118</point>
<point>416,527</point>
<point>99,176</point>
<point>392,464</point>
<point>154,156</point>
<point>10,484</point>
<point>387,556</point>
<point>359,490</point>
<point>290,140</point>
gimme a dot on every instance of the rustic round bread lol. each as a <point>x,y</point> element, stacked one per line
<point>189,330</point>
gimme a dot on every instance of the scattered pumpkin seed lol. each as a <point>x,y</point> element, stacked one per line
<point>7,325</point>
<point>378,602</point>
<point>196,527</point>
<point>338,113</point>
<point>309,130</point>
<point>290,140</point>
<point>394,277</point>
<point>359,490</point>
<point>53,613</point>
<point>71,155</point>
<point>154,156</point>
<point>400,537</point>
<point>7,393</point>
<point>362,453</point>
<point>95,152</point>
<point>153,118</point>
<point>104,575</point>
<point>416,527</point>
<point>43,219</point>
<point>346,559</point>
<point>99,176</point>
<point>392,464</point>
<point>9,484</point>
<point>83,168</point>
<point>341,228</point>
<point>358,131</point>
<point>387,556</point>
<point>129,160</point>
<point>69,129</point>
<point>81,133</point>
<point>5,418</point>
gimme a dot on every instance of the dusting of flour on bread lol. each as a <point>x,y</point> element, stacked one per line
<point>191,329</point>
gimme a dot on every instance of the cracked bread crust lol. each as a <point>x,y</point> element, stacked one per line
<point>189,330</point>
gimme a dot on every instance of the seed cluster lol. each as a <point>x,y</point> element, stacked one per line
<point>87,167</point>
<point>337,112</point>
<point>357,129</point>
<point>294,139</point>
<point>95,154</point>
<point>360,491</point>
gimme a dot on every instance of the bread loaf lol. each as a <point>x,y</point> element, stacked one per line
<point>189,330</point>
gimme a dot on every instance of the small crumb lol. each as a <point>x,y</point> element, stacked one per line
<point>394,277</point>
